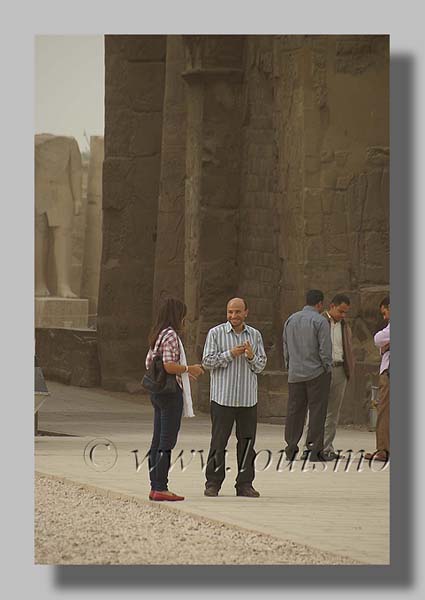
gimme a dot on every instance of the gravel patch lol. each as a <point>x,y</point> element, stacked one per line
<point>74,525</point>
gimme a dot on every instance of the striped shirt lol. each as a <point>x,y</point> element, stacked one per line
<point>169,349</point>
<point>233,379</point>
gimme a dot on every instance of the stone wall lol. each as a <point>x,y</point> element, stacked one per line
<point>342,229</point>
<point>68,355</point>
<point>262,171</point>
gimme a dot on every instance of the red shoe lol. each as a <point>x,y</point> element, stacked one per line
<point>165,495</point>
<point>381,456</point>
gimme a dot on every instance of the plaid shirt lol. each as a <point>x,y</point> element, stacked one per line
<point>169,349</point>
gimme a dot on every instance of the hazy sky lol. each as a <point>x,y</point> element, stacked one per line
<point>69,85</point>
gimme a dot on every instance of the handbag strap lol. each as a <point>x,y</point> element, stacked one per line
<point>158,344</point>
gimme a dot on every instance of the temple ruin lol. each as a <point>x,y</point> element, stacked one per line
<point>248,165</point>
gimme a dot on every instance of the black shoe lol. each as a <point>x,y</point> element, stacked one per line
<point>332,455</point>
<point>248,491</point>
<point>308,449</point>
<point>291,456</point>
<point>211,490</point>
<point>321,457</point>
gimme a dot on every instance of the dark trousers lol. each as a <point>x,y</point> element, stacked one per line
<point>222,419</point>
<point>168,410</point>
<point>312,396</point>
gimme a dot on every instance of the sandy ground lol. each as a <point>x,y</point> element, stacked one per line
<point>74,525</point>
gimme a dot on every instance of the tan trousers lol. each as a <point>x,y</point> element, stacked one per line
<point>383,414</point>
<point>336,396</point>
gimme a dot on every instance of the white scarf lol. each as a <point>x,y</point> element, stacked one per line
<point>187,395</point>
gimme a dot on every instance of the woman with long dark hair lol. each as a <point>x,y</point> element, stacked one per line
<point>164,339</point>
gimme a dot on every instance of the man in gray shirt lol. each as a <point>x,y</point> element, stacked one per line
<point>307,350</point>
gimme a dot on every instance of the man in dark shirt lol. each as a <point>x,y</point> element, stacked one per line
<point>307,350</point>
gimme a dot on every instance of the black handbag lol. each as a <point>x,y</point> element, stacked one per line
<point>156,379</point>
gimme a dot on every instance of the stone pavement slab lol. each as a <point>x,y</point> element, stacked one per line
<point>107,435</point>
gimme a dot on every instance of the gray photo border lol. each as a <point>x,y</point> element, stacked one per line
<point>403,22</point>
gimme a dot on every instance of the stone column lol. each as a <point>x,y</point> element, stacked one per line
<point>134,93</point>
<point>214,120</point>
<point>260,235</point>
<point>93,236</point>
<point>288,73</point>
<point>170,237</point>
<point>258,251</point>
<point>78,235</point>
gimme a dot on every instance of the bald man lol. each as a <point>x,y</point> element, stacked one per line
<point>234,354</point>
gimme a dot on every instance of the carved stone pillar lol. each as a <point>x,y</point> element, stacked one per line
<point>93,234</point>
<point>214,119</point>
<point>169,258</point>
<point>134,95</point>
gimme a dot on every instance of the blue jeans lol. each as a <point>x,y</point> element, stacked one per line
<point>168,411</point>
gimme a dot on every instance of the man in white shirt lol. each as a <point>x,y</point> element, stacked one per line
<point>342,365</point>
<point>342,370</point>
<point>382,341</point>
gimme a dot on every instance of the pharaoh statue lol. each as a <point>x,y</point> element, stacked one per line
<point>58,184</point>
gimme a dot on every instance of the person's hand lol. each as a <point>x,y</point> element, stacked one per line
<point>77,207</point>
<point>195,371</point>
<point>249,352</point>
<point>238,350</point>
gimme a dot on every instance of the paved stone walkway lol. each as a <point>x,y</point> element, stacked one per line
<point>76,525</point>
<point>106,436</point>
